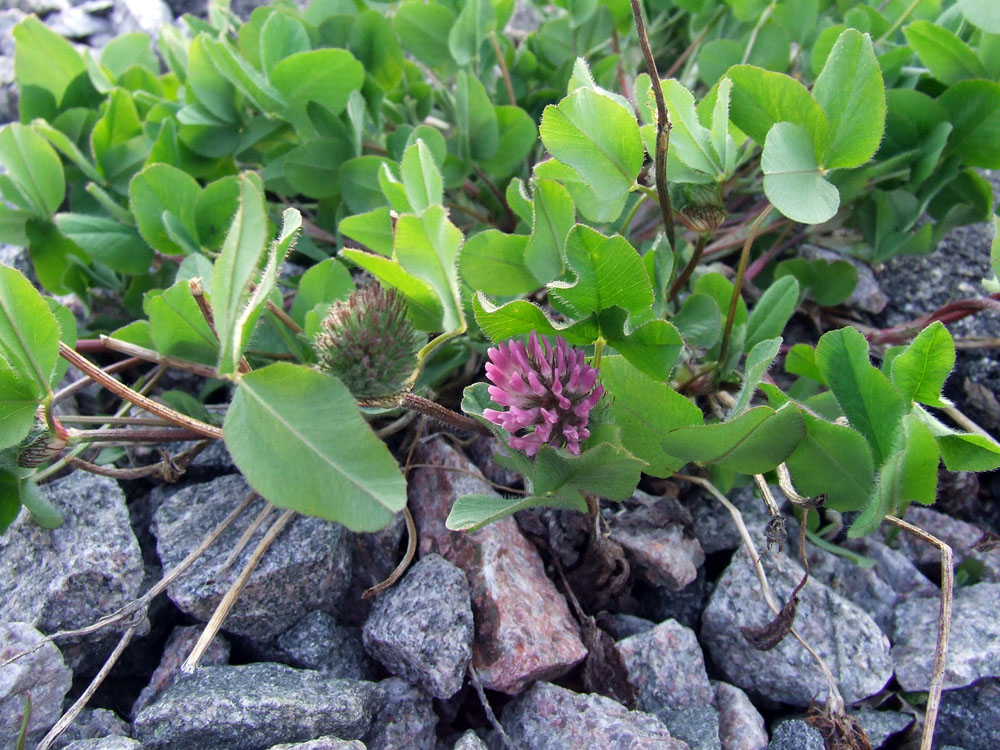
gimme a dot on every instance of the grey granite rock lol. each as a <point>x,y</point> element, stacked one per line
<point>795,734</point>
<point>970,716</point>
<point>38,7</point>
<point>844,636</point>
<point>307,567</point>
<point>322,743</point>
<point>714,526</point>
<point>318,641</point>
<point>177,648</point>
<point>667,668</point>
<point>546,717</point>
<point>698,726</point>
<point>405,718</point>
<point>81,21</point>
<point>64,578</point>
<point>621,626</point>
<point>974,647</point>
<point>959,535</point>
<point>881,726</point>
<point>421,629</point>
<point>253,707</point>
<point>105,743</point>
<point>741,727</point>
<point>93,724</point>
<point>469,741</point>
<point>43,675</point>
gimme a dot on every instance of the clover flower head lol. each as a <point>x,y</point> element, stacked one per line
<point>548,391</point>
<point>369,343</point>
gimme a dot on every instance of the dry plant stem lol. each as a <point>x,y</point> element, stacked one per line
<point>82,383</point>
<point>123,391</point>
<point>944,627</point>
<point>491,717</point>
<point>835,700</point>
<point>662,127</point>
<point>503,68</point>
<point>444,415</point>
<point>102,419</point>
<point>140,604</point>
<point>692,264</point>
<point>244,539</point>
<point>137,435</point>
<point>963,421</point>
<point>411,550</point>
<point>396,425</point>
<point>222,611</point>
<point>765,492</point>
<point>284,317</point>
<point>67,718</point>
<point>740,271</point>
<point>133,350</point>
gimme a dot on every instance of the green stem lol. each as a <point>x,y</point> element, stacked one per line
<point>899,21</point>
<point>598,351</point>
<point>632,212</point>
<point>681,280</point>
<point>756,30</point>
<point>738,286</point>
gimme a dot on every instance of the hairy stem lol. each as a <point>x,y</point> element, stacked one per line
<point>444,415</point>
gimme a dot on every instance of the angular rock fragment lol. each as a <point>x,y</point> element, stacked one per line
<point>970,716</point>
<point>43,675</point>
<point>177,648</point>
<point>974,646</point>
<point>307,567</point>
<point>524,631</point>
<point>253,707</point>
<point>105,743</point>
<point>667,668</point>
<point>318,641</point>
<point>845,637</point>
<point>547,716</point>
<point>405,718</point>
<point>421,629</point>
<point>741,727</point>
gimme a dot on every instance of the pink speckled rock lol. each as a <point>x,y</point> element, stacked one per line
<point>741,727</point>
<point>524,631</point>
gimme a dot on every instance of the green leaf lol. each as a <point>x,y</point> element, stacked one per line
<point>920,371</point>
<point>689,139</point>
<point>493,262</point>
<point>45,60</point>
<point>178,328</point>
<point>758,361</point>
<point>651,345</point>
<point>605,470</point>
<point>10,503</point>
<point>293,450</point>
<point>965,452</point>
<point>324,76</point>
<point>772,312</point>
<point>598,137</point>
<point>801,360</point>
<point>830,283</point>
<point>465,38</point>
<point>427,246</point>
<point>519,201</point>
<point>646,411</point>
<point>973,108</point>
<point>57,261</point>
<point>421,177</point>
<point>761,98</point>
<point>476,118</point>
<point>949,59</point>
<point>34,167</point>
<point>982,13</point>
<point>518,135</point>
<point>473,512</point>
<point>592,206</point>
<point>426,309</point>
<point>313,168</point>
<point>68,148</point>
<point>793,181</point>
<point>281,36</point>
<point>374,44</point>
<point>609,272</point>
<point>909,474</point>
<point>107,241</point>
<point>852,94</point>
<point>554,215</point>
<point>833,460</point>
<point>870,402</point>
<point>159,189</point>
<point>206,86</point>
<point>326,282</point>
<point>699,320</point>
<point>245,78</point>
<point>372,229</point>
<point>521,317</point>
<point>29,336</point>
<point>421,28</point>
<point>18,405</point>
<point>359,185</point>
<point>213,212</point>
<point>753,443</point>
